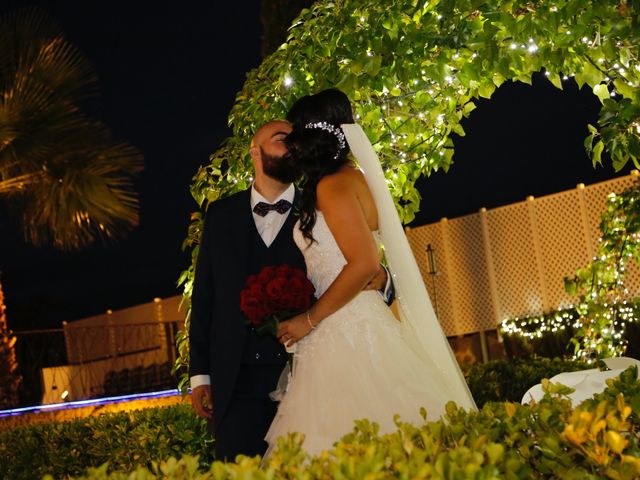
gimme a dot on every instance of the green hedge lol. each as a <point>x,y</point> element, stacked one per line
<point>127,440</point>
<point>130,440</point>
<point>509,380</point>
<point>599,439</point>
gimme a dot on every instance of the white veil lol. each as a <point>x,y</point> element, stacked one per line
<point>420,325</point>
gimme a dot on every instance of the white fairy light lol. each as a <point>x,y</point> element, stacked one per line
<point>532,48</point>
<point>513,46</point>
<point>288,81</point>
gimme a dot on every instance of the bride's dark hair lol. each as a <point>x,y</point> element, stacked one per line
<point>315,152</point>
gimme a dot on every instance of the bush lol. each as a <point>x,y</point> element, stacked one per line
<point>599,439</point>
<point>140,439</point>
<point>509,380</point>
<point>126,440</point>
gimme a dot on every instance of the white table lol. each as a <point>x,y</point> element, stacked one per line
<point>585,382</point>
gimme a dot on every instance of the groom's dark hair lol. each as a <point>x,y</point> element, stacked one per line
<point>316,152</point>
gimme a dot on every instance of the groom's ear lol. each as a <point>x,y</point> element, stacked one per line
<point>254,152</point>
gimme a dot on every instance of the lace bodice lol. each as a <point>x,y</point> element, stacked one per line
<point>323,257</point>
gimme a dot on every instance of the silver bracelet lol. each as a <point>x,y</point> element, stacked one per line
<point>313,327</point>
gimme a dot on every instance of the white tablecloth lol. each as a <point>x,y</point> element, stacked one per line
<point>585,382</point>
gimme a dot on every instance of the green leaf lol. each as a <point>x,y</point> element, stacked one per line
<point>468,108</point>
<point>486,89</point>
<point>556,81</point>
<point>596,154</point>
<point>624,89</point>
<point>634,145</point>
<point>457,128</point>
<point>602,92</point>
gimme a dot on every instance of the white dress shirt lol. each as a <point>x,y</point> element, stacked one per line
<point>268,227</point>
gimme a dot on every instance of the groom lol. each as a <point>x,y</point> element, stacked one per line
<point>232,369</point>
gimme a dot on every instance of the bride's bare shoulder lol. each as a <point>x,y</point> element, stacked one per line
<point>346,177</point>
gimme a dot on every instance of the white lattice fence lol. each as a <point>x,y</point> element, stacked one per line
<point>511,261</point>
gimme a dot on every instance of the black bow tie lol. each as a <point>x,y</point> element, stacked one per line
<point>262,208</point>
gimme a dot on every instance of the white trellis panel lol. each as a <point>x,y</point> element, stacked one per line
<point>512,250</point>
<point>563,245</point>
<point>441,296</point>
<point>511,261</point>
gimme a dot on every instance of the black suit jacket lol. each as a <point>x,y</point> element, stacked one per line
<point>218,328</point>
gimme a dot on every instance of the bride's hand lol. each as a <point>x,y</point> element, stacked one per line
<point>292,330</point>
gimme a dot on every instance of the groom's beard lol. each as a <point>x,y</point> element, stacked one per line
<point>278,168</point>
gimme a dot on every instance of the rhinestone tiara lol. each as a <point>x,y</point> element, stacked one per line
<point>331,129</point>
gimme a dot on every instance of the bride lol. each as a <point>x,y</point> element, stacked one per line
<point>353,358</point>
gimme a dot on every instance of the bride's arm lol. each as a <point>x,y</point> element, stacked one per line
<point>343,212</point>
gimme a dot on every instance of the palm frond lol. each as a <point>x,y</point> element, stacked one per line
<point>62,171</point>
<point>86,193</point>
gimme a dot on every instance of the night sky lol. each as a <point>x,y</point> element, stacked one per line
<point>168,77</point>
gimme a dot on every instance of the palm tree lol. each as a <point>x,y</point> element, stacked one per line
<point>60,171</point>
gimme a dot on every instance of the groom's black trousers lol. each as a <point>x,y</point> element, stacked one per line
<point>250,412</point>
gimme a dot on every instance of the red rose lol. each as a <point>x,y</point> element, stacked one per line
<point>296,284</point>
<point>256,290</point>
<point>276,290</point>
<point>288,301</point>
<point>252,308</point>
<point>302,302</point>
<point>284,271</point>
<point>267,274</point>
<point>275,287</point>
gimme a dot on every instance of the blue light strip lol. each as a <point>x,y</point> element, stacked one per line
<point>93,401</point>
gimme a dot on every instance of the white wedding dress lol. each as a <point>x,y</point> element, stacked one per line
<point>356,364</point>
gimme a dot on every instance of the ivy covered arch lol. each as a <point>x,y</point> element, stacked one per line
<point>413,70</point>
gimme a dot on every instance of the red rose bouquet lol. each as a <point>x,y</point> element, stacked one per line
<point>275,294</point>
